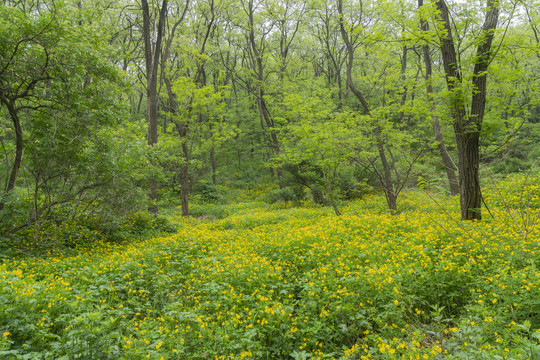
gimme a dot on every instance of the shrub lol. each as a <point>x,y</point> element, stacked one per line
<point>282,195</point>
<point>208,192</point>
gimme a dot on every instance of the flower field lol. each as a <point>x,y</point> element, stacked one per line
<point>279,282</point>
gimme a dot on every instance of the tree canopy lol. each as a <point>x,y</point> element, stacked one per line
<point>325,99</point>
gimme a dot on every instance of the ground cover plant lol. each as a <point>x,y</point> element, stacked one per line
<point>283,282</point>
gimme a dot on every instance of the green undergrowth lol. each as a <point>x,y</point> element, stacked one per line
<point>260,281</point>
<point>70,238</point>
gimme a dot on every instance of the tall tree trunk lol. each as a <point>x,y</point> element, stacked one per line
<point>448,163</point>
<point>181,128</point>
<point>173,109</point>
<point>213,164</point>
<point>18,146</point>
<point>443,151</point>
<point>258,68</point>
<point>386,178</point>
<point>340,90</point>
<point>152,53</point>
<point>467,129</point>
<point>336,64</point>
<point>184,174</point>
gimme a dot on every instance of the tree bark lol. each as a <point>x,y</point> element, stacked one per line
<point>334,68</point>
<point>467,128</point>
<point>152,53</point>
<point>449,165</point>
<point>184,174</point>
<point>18,145</point>
<point>181,128</point>
<point>213,164</point>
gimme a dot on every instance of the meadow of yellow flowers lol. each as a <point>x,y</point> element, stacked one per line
<point>283,282</point>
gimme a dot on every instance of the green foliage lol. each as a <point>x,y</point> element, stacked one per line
<point>240,278</point>
<point>282,195</point>
<point>209,211</point>
<point>80,159</point>
<point>283,283</point>
<point>208,192</point>
<point>72,237</point>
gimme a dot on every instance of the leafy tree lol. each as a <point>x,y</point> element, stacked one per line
<point>468,124</point>
<point>449,165</point>
<point>62,99</point>
<point>322,141</point>
<point>153,42</point>
<point>359,28</point>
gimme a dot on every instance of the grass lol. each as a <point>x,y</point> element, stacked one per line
<point>278,282</point>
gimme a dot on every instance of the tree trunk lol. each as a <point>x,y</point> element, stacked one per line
<point>467,129</point>
<point>470,191</point>
<point>139,104</point>
<point>213,164</point>
<point>18,145</point>
<point>184,176</point>
<point>449,165</point>
<point>443,151</point>
<point>152,53</point>
<point>182,133</point>
<point>258,68</point>
<point>386,178</point>
<point>391,201</point>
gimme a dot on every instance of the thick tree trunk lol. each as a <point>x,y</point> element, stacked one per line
<point>391,201</point>
<point>467,129</point>
<point>470,191</point>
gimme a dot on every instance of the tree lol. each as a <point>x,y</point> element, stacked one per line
<point>443,151</point>
<point>322,141</point>
<point>328,34</point>
<point>27,62</point>
<point>350,35</point>
<point>153,42</point>
<point>468,124</point>
<point>257,45</point>
<point>61,96</point>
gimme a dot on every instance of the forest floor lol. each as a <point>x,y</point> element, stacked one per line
<point>259,281</point>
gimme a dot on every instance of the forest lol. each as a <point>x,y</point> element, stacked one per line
<point>269,179</point>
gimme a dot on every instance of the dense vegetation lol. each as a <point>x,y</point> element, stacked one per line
<point>279,282</point>
<point>269,179</point>
<point>104,102</point>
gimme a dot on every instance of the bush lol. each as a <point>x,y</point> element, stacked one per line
<point>282,195</point>
<point>143,222</point>
<point>208,192</point>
